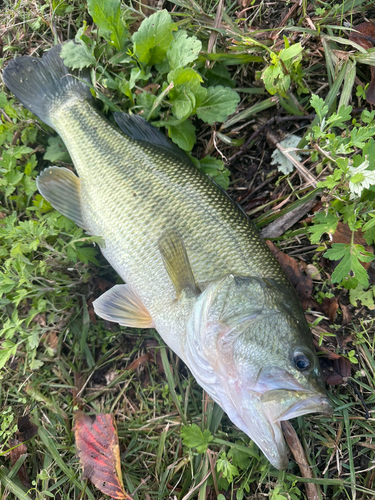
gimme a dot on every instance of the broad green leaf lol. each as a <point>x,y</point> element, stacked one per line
<point>365,296</point>
<point>184,78</point>
<point>183,105</point>
<point>183,135</point>
<point>8,349</point>
<point>358,136</point>
<point>146,101</point>
<point>3,100</point>
<point>229,470</point>
<point>183,50</point>
<point>193,437</point>
<point>351,257</point>
<point>186,92</point>
<point>218,75</point>
<point>271,77</point>
<point>319,105</point>
<point>216,170</point>
<point>323,223</point>
<point>77,55</point>
<point>291,52</point>
<point>107,16</point>
<point>220,102</point>
<point>56,150</point>
<point>87,254</point>
<point>153,38</point>
<point>338,119</point>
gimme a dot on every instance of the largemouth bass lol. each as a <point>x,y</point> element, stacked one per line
<point>194,266</point>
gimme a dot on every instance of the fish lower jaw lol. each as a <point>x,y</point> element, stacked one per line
<point>314,404</point>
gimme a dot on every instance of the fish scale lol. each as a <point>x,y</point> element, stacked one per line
<point>157,191</point>
<point>193,264</point>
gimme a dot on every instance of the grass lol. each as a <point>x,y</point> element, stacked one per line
<point>59,358</point>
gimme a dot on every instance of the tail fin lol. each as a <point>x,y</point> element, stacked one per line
<point>43,84</point>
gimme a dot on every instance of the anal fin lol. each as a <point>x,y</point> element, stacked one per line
<point>62,188</point>
<point>121,305</point>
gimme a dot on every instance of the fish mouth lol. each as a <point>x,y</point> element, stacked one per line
<point>309,403</point>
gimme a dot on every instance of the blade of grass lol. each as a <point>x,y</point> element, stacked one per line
<point>347,88</point>
<point>171,383</point>
<point>350,453</point>
<point>253,110</point>
<point>54,452</point>
<point>8,483</point>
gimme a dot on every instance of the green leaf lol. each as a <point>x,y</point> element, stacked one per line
<point>323,223</point>
<point>186,92</point>
<point>153,38</point>
<point>239,458</point>
<point>56,150</point>
<point>365,296</point>
<point>339,119</point>
<point>218,75</point>
<point>3,100</point>
<point>8,349</point>
<point>107,16</point>
<point>216,170</point>
<point>319,105</point>
<point>351,257</point>
<point>220,102</point>
<point>193,437</point>
<point>183,135</point>
<point>77,55</point>
<point>146,101</point>
<point>87,254</point>
<point>290,52</point>
<point>229,470</point>
<point>358,136</point>
<point>183,50</point>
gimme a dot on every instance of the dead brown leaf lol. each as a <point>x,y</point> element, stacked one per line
<point>26,428</point>
<point>335,371</point>
<point>99,453</point>
<point>18,450</point>
<point>346,314</point>
<point>145,358</point>
<point>312,491</point>
<point>91,311</point>
<point>295,271</point>
<point>329,307</point>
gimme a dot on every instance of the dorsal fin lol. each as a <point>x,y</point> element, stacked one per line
<point>139,129</point>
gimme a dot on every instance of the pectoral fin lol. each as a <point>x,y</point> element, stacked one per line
<point>62,188</point>
<point>176,262</point>
<point>121,305</point>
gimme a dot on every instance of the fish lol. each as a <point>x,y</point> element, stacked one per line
<point>193,264</point>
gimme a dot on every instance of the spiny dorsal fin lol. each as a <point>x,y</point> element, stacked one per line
<point>139,129</point>
<point>62,188</point>
<point>176,262</point>
<point>121,305</point>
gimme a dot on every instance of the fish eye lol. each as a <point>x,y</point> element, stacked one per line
<point>301,361</point>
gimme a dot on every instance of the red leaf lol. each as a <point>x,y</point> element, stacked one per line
<point>99,453</point>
